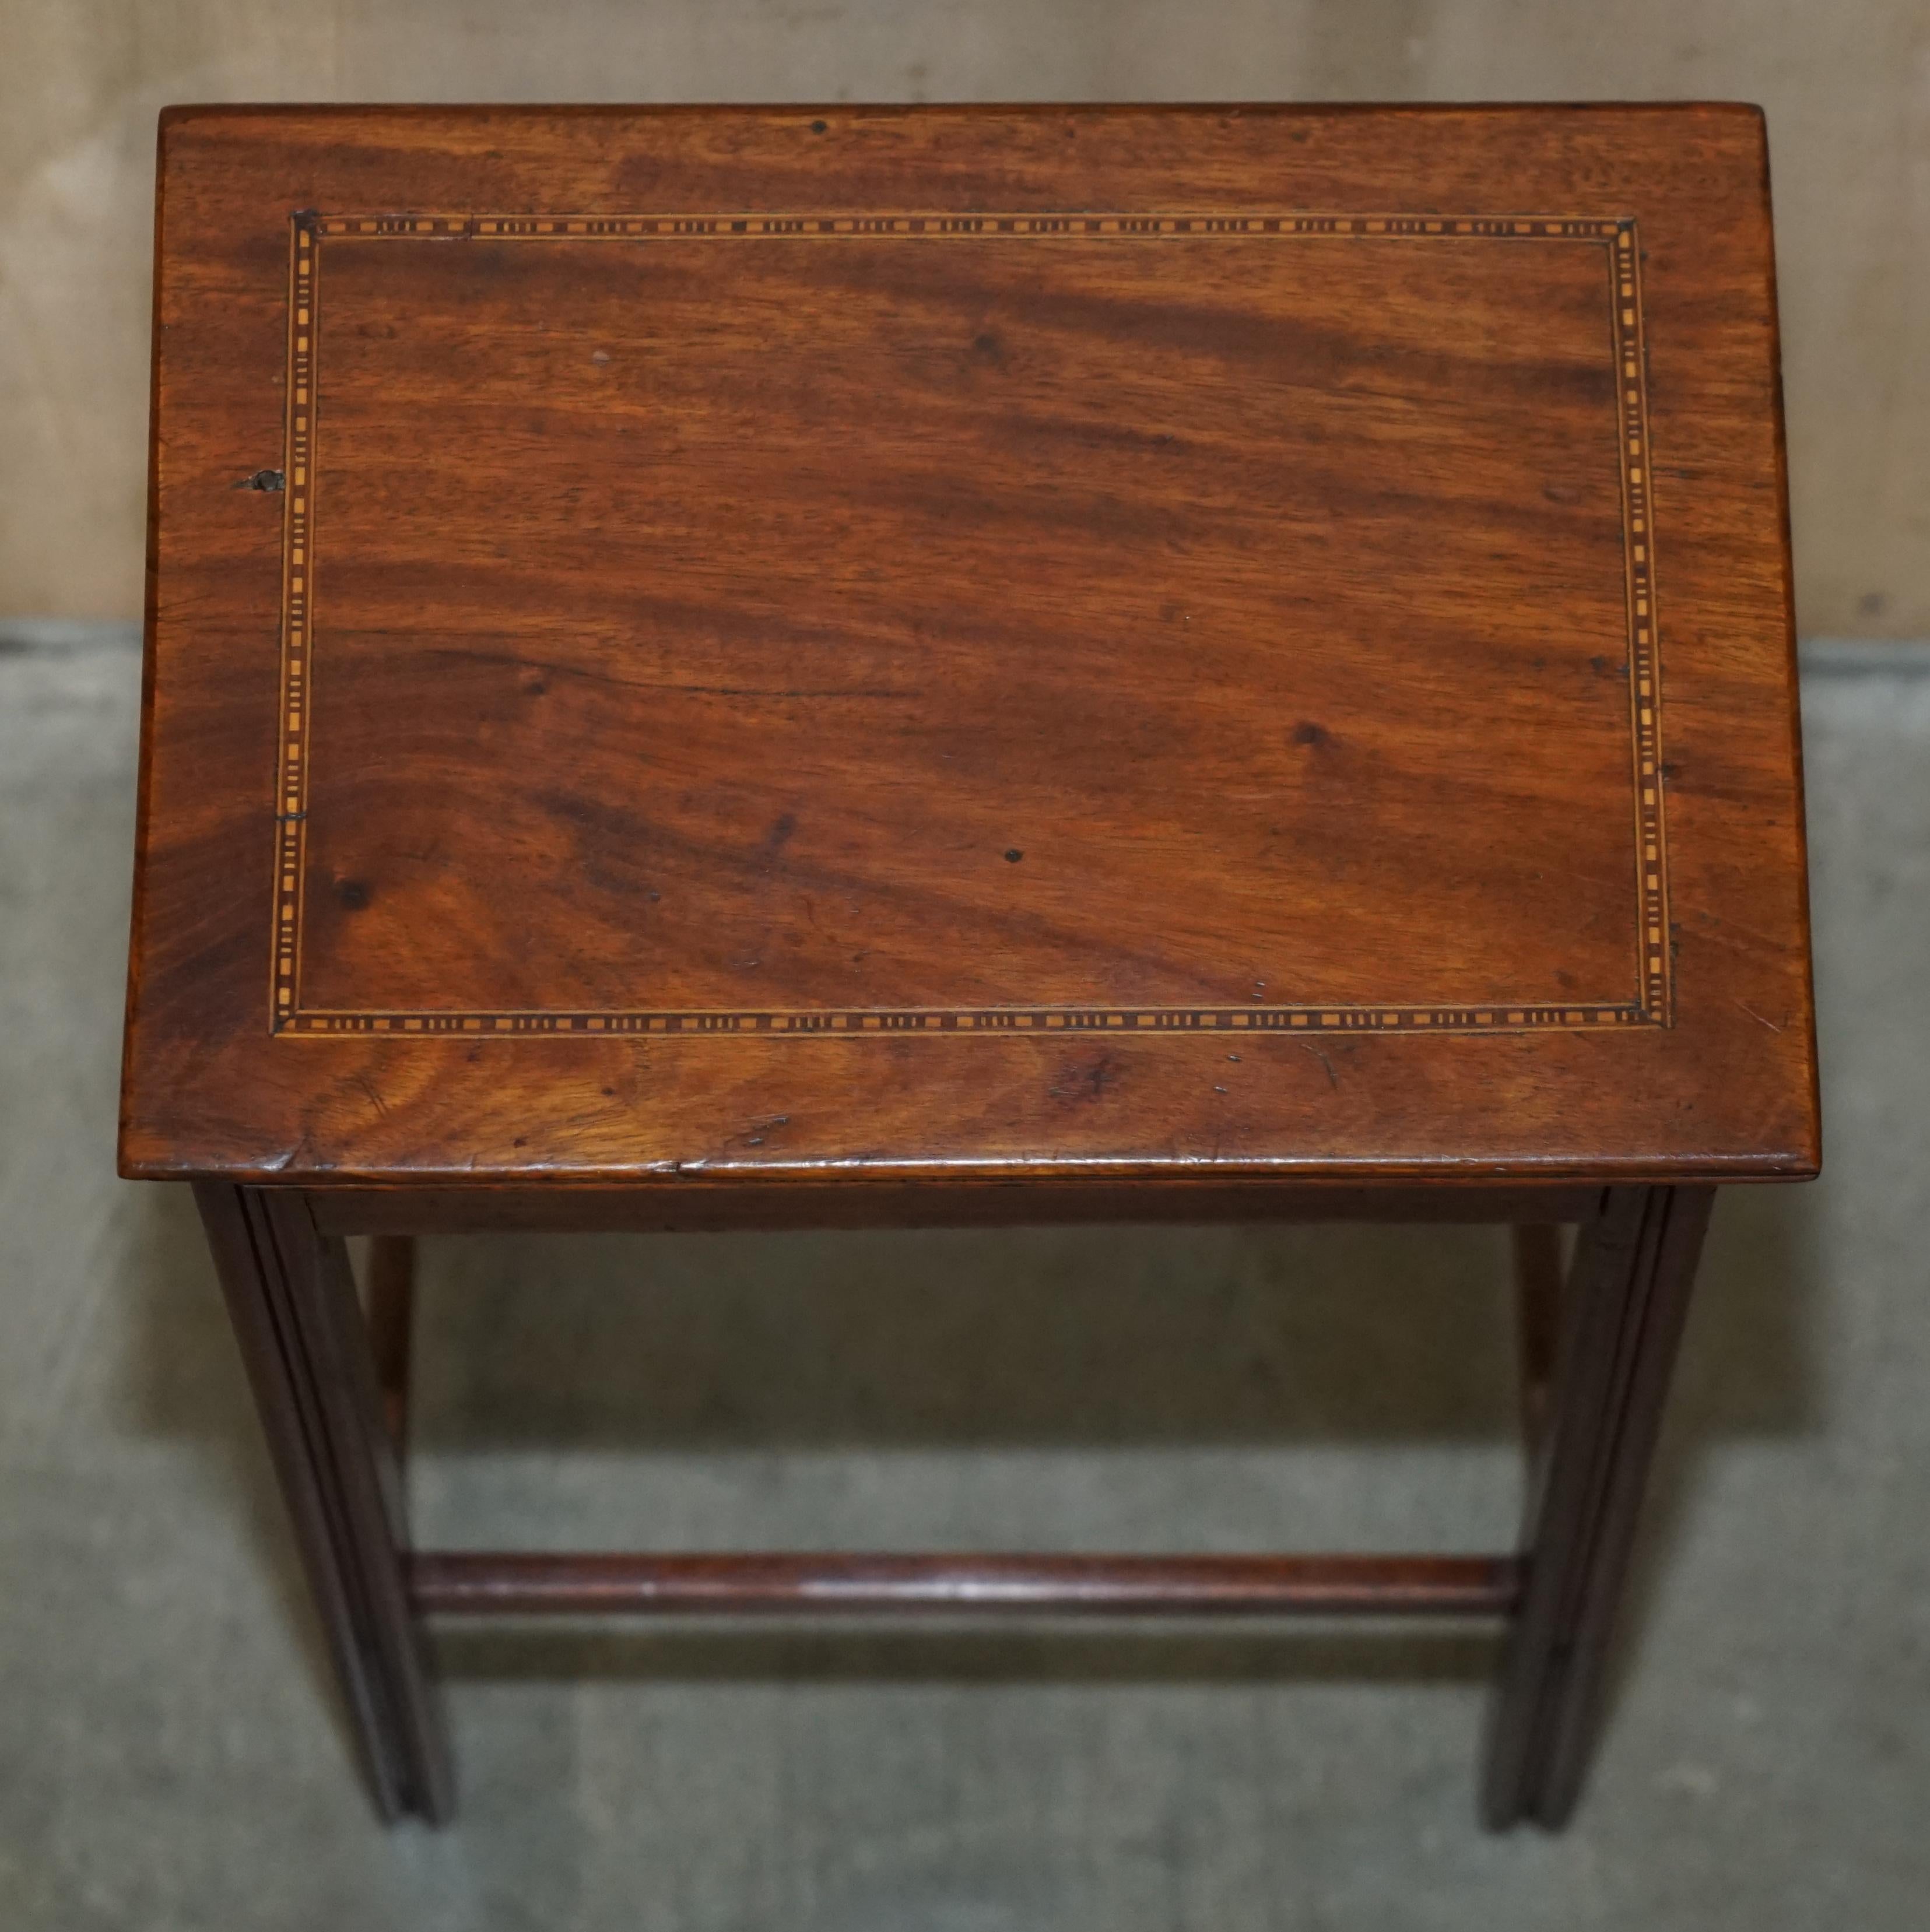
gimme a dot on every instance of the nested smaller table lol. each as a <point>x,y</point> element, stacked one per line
<point>736,668</point>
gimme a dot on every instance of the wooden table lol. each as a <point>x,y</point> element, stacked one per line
<point>777,668</point>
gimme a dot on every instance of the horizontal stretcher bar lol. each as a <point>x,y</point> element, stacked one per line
<point>482,1582</point>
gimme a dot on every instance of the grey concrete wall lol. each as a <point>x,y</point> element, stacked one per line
<point>1846,83</point>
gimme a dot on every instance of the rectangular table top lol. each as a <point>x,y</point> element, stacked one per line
<point>967,643</point>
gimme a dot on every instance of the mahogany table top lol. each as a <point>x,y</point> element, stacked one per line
<point>819,644</point>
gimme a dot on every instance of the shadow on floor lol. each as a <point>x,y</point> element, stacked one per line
<point>1099,1655</point>
<point>1057,1338</point>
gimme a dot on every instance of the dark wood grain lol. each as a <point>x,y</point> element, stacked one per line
<point>846,1583</point>
<point>1633,1270</point>
<point>970,693</point>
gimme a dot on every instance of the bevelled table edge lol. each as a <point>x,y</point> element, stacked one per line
<point>938,1177</point>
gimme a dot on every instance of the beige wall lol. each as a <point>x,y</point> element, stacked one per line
<point>1847,84</point>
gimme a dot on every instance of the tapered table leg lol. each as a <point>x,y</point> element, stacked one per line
<point>292,1300</point>
<point>1629,1293</point>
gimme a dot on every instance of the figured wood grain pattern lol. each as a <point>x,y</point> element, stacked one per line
<point>845,503</point>
<point>1215,679</point>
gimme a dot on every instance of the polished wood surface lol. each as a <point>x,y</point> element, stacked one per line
<point>524,1583</point>
<point>814,646</point>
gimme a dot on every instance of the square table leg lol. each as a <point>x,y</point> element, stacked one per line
<point>292,1297</point>
<point>1629,1292</point>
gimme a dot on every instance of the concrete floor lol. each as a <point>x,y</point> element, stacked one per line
<point>169,1752</point>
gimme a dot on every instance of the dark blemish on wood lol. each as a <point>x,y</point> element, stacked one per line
<point>987,347</point>
<point>262,479</point>
<point>1307,732</point>
<point>782,826</point>
<point>1014,855</point>
<point>519,1141</point>
<point>353,894</point>
<point>1671,771</point>
<point>1333,1078</point>
<point>1080,1085</point>
<point>535,684</point>
<point>818,127</point>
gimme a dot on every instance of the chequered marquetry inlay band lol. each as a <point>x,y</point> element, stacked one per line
<point>1649,1003</point>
